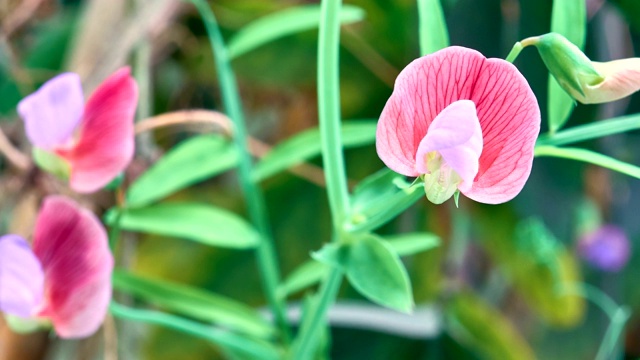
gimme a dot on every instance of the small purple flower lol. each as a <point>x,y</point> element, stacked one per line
<point>606,248</point>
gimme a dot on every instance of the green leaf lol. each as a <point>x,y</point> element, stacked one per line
<point>193,160</point>
<point>484,329</point>
<point>192,302</point>
<point>307,274</point>
<point>412,243</point>
<point>433,28</point>
<point>306,145</point>
<point>380,198</point>
<point>373,268</point>
<point>568,18</point>
<point>197,222</point>
<point>591,157</point>
<point>592,131</point>
<point>253,348</point>
<point>283,23</point>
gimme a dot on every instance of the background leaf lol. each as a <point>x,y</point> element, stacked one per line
<point>569,18</point>
<point>433,28</point>
<point>283,23</point>
<point>193,160</point>
<point>198,222</point>
<point>306,145</point>
<point>192,302</point>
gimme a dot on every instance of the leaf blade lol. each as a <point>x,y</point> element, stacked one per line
<point>197,222</point>
<point>433,28</point>
<point>193,160</point>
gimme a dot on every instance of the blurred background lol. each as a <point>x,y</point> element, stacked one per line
<point>493,298</point>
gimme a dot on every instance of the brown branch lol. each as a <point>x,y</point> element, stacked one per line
<point>15,156</point>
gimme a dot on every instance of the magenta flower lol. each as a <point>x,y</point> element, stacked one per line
<point>66,278</point>
<point>96,140</point>
<point>606,248</point>
<point>461,122</point>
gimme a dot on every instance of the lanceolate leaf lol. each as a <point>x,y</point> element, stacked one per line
<point>193,160</point>
<point>192,302</point>
<point>568,18</point>
<point>306,145</point>
<point>283,23</point>
<point>373,268</point>
<point>198,222</point>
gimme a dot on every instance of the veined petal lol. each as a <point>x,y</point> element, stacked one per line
<point>422,90</point>
<point>52,113</point>
<point>510,119</point>
<point>506,106</point>
<point>21,277</point>
<point>456,135</point>
<point>106,140</point>
<point>72,247</point>
<point>621,79</point>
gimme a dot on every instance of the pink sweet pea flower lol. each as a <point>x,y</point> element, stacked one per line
<point>461,122</point>
<point>66,279</point>
<point>96,140</point>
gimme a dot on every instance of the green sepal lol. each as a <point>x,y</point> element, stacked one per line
<point>51,163</point>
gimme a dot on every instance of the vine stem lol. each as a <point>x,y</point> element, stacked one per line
<point>333,160</point>
<point>254,198</point>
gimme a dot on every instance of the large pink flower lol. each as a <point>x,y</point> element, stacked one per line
<point>96,140</point>
<point>461,122</point>
<point>66,279</point>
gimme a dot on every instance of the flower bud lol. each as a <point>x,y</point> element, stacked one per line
<point>587,81</point>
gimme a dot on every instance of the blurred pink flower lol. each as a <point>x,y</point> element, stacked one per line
<point>97,139</point>
<point>461,122</point>
<point>66,279</point>
<point>606,248</point>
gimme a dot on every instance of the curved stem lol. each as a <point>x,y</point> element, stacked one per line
<point>253,195</point>
<point>333,160</point>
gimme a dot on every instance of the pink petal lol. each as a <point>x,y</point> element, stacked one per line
<point>106,141</point>
<point>622,78</point>
<point>21,277</point>
<point>456,135</point>
<point>72,246</point>
<point>52,113</point>
<point>506,107</point>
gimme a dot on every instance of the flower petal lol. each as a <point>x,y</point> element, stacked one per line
<point>621,79</point>
<point>422,90</point>
<point>106,141</point>
<point>456,135</point>
<point>21,277</point>
<point>73,249</point>
<point>510,119</point>
<point>507,109</point>
<point>52,113</point>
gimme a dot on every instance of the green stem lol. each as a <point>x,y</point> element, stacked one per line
<point>266,255</point>
<point>591,131</point>
<point>617,315</point>
<point>257,350</point>
<point>588,156</point>
<point>114,231</point>
<point>333,160</point>
<point>515,51</point>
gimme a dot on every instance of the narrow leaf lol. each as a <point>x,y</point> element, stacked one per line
<point>568,18</point>
<point>197,222</point>
<point>592,131</point>
<point>283,23</point>
<point>192,302</point>
<point>193,160</point>
<point>259,350</point>
<point>306,145</point>
<point>591,157</point>
<point>307,274</point>
<point>412,243</point>
<point>375,270</point>
<point>381,197</point>
<point>433,28</point>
